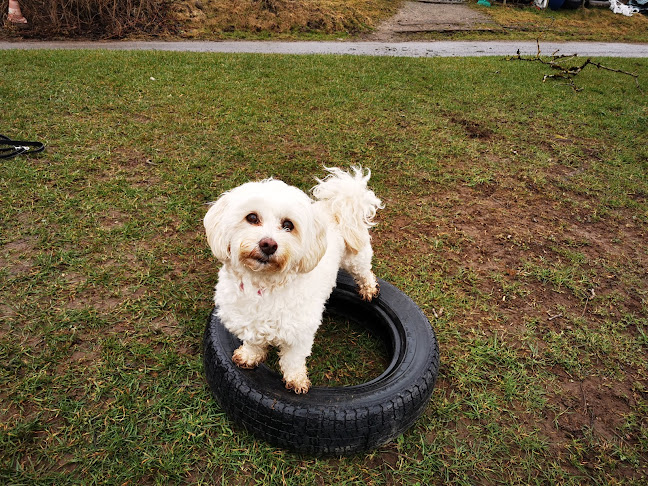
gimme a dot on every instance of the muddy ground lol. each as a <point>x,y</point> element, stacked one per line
<point>420,17</point>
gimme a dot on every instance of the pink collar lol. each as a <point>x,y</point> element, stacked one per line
<point>259,292</point>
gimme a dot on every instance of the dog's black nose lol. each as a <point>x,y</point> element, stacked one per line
<point>268,246</point>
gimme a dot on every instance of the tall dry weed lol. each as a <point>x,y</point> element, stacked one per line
<point>96,18</point>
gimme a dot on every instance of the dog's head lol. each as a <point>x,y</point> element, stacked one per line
<point>266,226</point>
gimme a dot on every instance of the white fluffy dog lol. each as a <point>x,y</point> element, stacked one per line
<point>281,252</point>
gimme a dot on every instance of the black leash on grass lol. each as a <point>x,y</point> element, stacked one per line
<point>10,148</point>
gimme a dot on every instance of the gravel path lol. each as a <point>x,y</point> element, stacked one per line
<point>368,48</point>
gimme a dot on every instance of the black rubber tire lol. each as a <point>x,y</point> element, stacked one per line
<point>333,420</point>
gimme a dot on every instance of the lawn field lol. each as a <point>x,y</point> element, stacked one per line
<point>516,216</point>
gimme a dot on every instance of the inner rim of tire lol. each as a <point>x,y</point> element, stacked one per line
<point>345,353</point>
<point>379,319</point>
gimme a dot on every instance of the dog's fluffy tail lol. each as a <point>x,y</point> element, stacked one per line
<point>351,203</point>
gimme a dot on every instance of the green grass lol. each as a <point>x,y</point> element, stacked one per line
<point>363,357</point>
<point>516,217</point>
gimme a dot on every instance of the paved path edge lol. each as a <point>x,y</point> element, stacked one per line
<point>399,49</point>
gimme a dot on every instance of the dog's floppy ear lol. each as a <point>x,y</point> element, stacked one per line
<point>216,228</point>
<point>315,244</point>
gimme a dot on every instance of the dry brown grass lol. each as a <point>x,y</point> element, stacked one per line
<point>594,24</point>
<point>208,17</point>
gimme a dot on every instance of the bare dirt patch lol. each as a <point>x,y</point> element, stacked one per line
<point>548,273</point>
<point>16,256</point>
<point>421,17</point>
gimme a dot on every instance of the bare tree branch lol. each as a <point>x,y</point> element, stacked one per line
<point>567,72</point>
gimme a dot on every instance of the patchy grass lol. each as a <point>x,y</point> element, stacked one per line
<point>363,358</point>
<point>516,217</point>
<point>584,24</point>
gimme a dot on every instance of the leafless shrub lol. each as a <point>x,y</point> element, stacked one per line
<point>96,18</point>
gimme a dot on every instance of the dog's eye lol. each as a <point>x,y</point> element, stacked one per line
<point>288,225</point>
<point>252,218</point>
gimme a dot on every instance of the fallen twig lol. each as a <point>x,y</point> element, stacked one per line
<point>591,295</point>
<point>568,73</point>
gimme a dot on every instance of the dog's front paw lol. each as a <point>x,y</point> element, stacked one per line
<point>248,357</point>
<point>367,286</point>
<point>299,384</point>
<point>369,291</point>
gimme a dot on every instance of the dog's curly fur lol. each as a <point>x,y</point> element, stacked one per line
<point>281,251</point>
